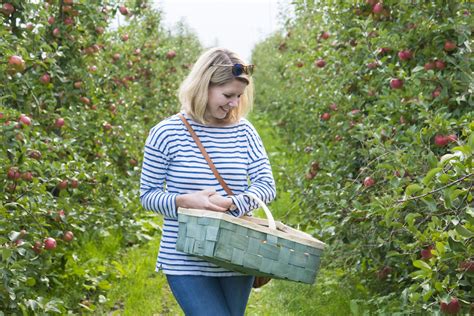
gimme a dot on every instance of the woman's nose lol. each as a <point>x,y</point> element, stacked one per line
<point>234,102</point>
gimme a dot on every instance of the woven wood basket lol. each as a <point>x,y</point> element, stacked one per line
<point>250,245</point>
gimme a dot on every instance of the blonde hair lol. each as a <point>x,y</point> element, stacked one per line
<point>193,92</point>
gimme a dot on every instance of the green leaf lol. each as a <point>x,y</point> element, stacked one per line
<point>430,175</point>
<point>412,188</point>
<point>421,265</point>
<point>354,308</point>
<point>444,178</point>
<point>430,203</point>
<point>463,231</point>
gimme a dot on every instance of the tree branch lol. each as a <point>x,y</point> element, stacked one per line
<point>438,189</point>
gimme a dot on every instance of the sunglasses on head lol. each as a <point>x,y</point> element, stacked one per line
<point>238,69</point>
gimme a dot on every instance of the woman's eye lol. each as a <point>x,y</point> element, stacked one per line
<point>227,96</point>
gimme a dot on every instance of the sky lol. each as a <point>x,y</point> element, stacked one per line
<point>235,24</point>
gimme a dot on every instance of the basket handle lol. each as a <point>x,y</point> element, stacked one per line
<point>271,221</point>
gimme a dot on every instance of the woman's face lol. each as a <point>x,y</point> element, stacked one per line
<point>222,99</point>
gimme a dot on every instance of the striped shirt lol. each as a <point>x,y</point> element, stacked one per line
<point>174,165</point>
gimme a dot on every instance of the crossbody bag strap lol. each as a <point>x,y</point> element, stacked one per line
<point>206,156</point>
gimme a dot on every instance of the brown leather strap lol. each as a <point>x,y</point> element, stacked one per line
<point>206,156</point>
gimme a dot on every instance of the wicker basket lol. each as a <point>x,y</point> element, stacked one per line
<point>249,245</point>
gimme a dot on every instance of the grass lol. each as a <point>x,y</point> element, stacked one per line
<point>140,290</point>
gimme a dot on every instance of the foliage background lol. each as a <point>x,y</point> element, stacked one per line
<point>421,193</point>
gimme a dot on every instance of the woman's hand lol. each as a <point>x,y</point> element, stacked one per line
<point>207,199</point>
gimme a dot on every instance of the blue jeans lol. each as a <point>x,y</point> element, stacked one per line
<point>206,296</point>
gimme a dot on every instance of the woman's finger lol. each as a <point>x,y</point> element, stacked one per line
<point>216,208</point>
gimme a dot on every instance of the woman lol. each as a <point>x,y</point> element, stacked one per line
<point>215,96</point>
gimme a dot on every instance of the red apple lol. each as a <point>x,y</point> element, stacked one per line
<point>62,185</point>
<point>78,84</point>
<point>383,273</point>
<point>325,35</point>
<point>132,162</point>
<point>333,106</point>
<point>116,56</point>
<point>429,65</point>
<point>440,65</point>
<point>310,175</point>
<point>436,92</point>
<point>124,37</point>
<point>19,242</point>
<point>441,140</point>
<point>355,111</point>
<point>325,116</point>
<point>99,30</point>
<point>45,78</point>
<point>74,183</point>
<point>68,20</point>
<point>85,100</point>
<point>368,182</point>
<point>37,247</point>
<point>377,8</point>
<point>27,176</point>
<point>25,120</point>
<point>171,54</point>
<point>93,68</point>
<point>123,10</point>
<point>107,126</point>
<point>405,54</point>
<point>372,65</point>
<point>384,50</point>
<point>16,64</point>
<point>13,173</point>
<point>8,9</point>
<point>396,83</point>
<point>299,64</point>
<point>59,122</point>
<point>51,20</point>
<point>320,63</point>
<point>68,236</point>
<point>49,243</point>
<point>449,46</point>
<point>35,154</point>
<point>451,308</point>
<point>56,32</point>
<point>426,253</point>
<point>314,166</point>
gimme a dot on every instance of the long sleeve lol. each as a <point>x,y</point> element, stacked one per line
<point>153,195</point>
<point>260,175</point>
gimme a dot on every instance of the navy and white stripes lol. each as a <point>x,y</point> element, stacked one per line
<point>174,165</point>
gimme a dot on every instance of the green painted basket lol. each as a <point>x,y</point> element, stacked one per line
<point>250,245</point>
